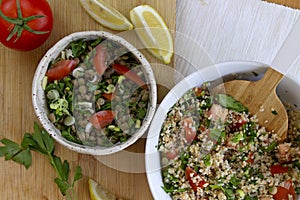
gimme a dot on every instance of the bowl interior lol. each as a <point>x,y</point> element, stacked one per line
<point>229,71</point>
<point>39,102</point>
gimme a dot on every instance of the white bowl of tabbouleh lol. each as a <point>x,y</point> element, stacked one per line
<point>204,147</point>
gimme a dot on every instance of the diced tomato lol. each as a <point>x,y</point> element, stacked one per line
<point>110,96</point>
<point>250,158</point>
<point>284,154</point>
<point>100,59</point>
<point>194,179</point>
<point>217,113</point>
<point>284,191</point>
<point>171,154</point>
<point>198,91</point>
<point>102,118</point>
<point>278,169</point>
<point>202,128</point>
<point>121,69</point>
<point>238,122</point>
<point>61,69</point>
<point>189,128</point>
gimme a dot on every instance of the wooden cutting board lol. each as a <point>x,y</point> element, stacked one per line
<point>17,116</point>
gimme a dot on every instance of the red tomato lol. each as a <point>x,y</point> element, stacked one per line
<point>250,158</point>
<point>102,118</point>
<point>191,174</point>
<point>238,122</point>
<point>171,154</point>
<point>217,113</point>
<point>109,97</point>
<point>61,69</point>
<point>100,59</point>
<point>278,169</point>
<point>284,191</point>
<point>189,128</point>
<point>198,91</point>
<point>121,69</point>
<point>27,30</point>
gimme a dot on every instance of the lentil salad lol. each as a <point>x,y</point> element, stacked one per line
<point>100,98</point>
<point>211,148</point>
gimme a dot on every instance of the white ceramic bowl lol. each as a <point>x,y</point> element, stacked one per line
<point>39,102</point>
<point>287,91</point>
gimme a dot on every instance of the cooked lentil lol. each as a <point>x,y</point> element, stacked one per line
<point>81,94</point>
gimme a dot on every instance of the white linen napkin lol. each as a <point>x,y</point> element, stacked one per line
<point>230,30</point>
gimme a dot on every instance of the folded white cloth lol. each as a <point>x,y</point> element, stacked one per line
<point>230,30</point>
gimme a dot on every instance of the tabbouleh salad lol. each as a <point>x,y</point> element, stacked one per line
<point>212,148</point>
<point>96,92</point>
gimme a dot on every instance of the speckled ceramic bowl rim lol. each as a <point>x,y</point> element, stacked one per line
<point>38,96</point>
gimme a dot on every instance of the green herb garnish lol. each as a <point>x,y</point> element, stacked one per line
<point>41,142</point>
<point>230,103</point>
<point>274,112</point>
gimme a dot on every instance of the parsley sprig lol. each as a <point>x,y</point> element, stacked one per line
<point>40,141</point>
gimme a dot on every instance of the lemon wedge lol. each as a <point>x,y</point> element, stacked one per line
<point>97,192</point>
<point>106,15</point>
<point>153,32</point>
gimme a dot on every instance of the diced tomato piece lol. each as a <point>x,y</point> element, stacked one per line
<point>100,59</point>
<point>121,69</point>
<point>238,122</point>
<point>61,69</point>
<point>102,118</point>
<point>278,169</point>
<point>217,113</point>
<point>250,158</point>
<point>171,154</point>
<point>198,91</point>
<point>194,179</point>
<point>189,128</point>
<point>284,191</point>
<point>202,128</point>
<point>110,96</point>
<point>284,154</point>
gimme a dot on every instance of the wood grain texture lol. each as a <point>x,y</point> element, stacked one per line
<point>261,100</point>
<point>17,115</point>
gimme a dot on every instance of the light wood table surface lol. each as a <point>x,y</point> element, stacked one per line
<point>17,115</point>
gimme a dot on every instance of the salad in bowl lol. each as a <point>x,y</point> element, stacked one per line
<point>94,92</point>
<point>211,147</point>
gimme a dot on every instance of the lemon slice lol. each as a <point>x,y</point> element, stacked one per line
<point>106,15</point>
<point>153,32</point>
<point>97,192</point>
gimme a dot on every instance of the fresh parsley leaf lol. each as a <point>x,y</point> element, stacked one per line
<point>229,194</point>
<point>41,142</point>
<point>62,185</point>
<point>184,157</point>
<point>230,103</point>
<point>271,147</point>
<point>48,141</point>
<point>57,163</point>
<point>78,174</point>
<point>207,161</point>
<point>12,151</point>
<point>234,181</point>
<point>78,47</point>
<point>24,158</point>
<point>215,134</point>
<point>65,170</point>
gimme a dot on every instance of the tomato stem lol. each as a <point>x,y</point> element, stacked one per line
<point>20,23</point>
